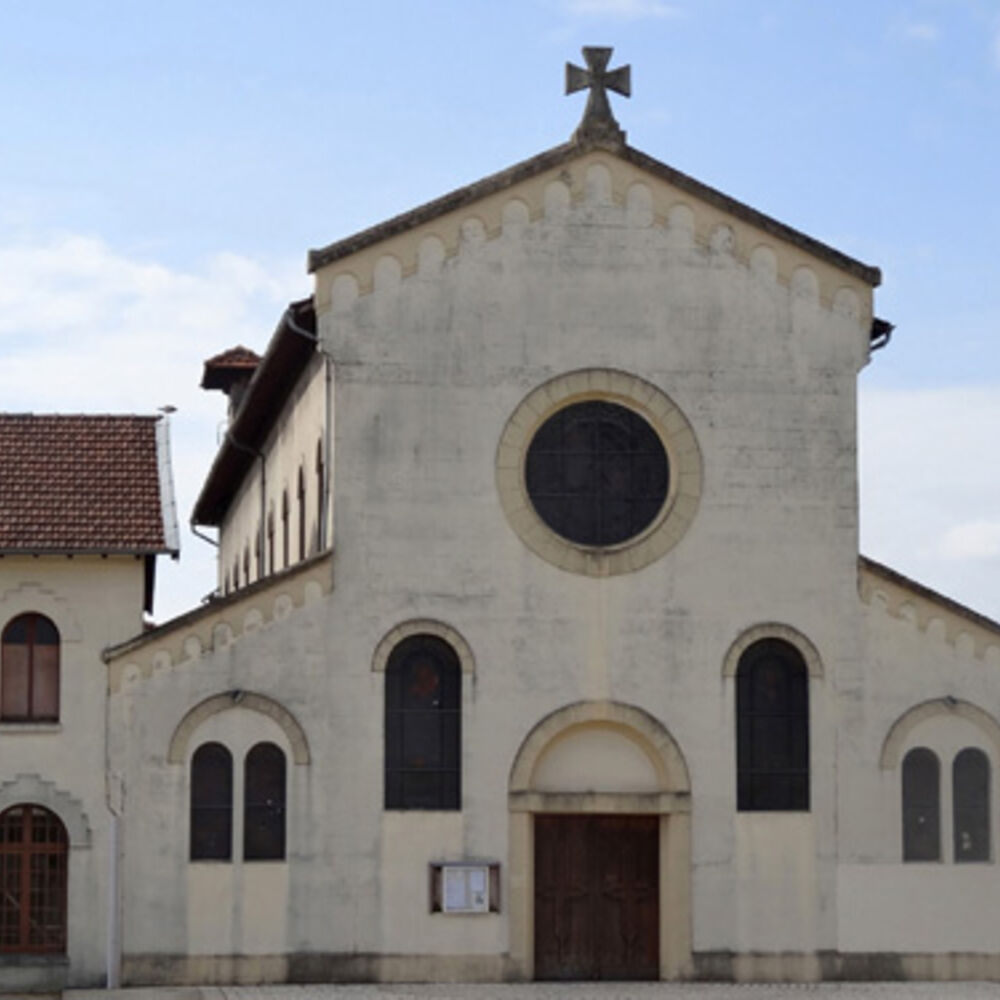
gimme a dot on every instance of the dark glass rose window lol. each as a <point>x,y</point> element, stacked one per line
<point>597,473</point>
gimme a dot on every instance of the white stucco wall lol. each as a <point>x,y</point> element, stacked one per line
<point>93,602</point>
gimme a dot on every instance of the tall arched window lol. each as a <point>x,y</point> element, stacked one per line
<point>320,491</point>
<point>285,540</point>
<point>970,789</point>
<point>423,725</point>
<point>302,514</point>
<point>921,806</point>
<point>772,728</point>
<point>211,803</point>
<point>264,803</point>
<point>29,670</point>
<point>34,853</point>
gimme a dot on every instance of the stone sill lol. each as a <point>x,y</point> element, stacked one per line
<point>35,728</point>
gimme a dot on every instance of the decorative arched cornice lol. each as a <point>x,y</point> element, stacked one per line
<point>423,626</point>
<point>772,630</point>
<point>634,722</point>
<point>30,789</point>
<point>177,752</point>
<point>899,732</point>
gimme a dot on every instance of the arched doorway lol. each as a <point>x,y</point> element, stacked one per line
<point>34,851</point>
<point>599,870</point>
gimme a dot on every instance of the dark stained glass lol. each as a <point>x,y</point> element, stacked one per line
<point>211,803</point>
<point>597,473</point>
<point>423,723</point>
<point>772,728</point>
<point>921,806</point>
<point>264,804</point>
<point>970,785</point>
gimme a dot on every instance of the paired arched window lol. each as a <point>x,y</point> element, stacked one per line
<point>212,803</point>
<point>34,854</point>
<point>423,725</point>
<point>772,728</point>
<point>29,670</point>
<point>264,803</point>
<point>921,806</point>
<point>970,805</point>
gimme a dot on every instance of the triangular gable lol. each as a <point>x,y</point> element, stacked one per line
<point>664,193</point>
<point>908,600</point>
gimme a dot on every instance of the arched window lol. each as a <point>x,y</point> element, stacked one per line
<point>34,853</point>
<point>921,806</point>
<point>29,676</point>
<point>320,490</point>
<point>264,803</point>
<point>285,542</point>
<point>211,803</point>
<point>423,725</point>
<point>302,514</point>
<point>772,728</point>
<point>970,789</point>
<point>270,542</point>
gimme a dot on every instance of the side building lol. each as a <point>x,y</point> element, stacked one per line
<point>86,506</point>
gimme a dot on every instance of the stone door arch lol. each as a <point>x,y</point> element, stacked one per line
<point>602,758</point>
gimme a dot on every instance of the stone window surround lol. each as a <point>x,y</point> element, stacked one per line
<point>673,429</point>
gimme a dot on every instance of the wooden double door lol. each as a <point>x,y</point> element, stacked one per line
<point>597,897</point>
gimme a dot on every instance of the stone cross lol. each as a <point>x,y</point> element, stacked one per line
<point>598,122</point>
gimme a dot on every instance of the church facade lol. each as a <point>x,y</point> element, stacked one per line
<point>542,646</point>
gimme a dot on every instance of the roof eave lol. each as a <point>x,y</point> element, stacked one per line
<point>288,353</point>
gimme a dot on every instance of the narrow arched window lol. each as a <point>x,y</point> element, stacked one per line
<point>211,803</point>
<point>970,789</point>
<point>302,514</point>
<point>285,542</point>
<point>34,856</point>
<point>29,670</point>
<point>270,542</point>
<point>423,725</point>
<point>264,804</point>
<point>320,492</point>
<point>921,806</point>
<point>772,728</point>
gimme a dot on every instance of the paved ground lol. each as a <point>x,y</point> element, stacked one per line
<point>564,991</point>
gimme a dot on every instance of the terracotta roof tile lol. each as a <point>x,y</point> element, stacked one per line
<point>235,357</point>
<point>72,483</point>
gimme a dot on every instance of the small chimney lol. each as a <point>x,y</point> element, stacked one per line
<point>231,372</point>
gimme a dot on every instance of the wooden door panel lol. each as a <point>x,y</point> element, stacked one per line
<point>596,897</point>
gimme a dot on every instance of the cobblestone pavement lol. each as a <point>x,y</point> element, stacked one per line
<point>564,991</point>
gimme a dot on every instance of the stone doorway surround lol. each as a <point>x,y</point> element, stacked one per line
<point>602,757</point>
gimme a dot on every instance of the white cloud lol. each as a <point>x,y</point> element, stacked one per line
<point>921,31</point>
<point>85,328</point>
<point>930,489</point>
<point>972,540</point>
<point>626,10</point>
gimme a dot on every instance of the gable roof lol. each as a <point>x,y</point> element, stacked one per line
<point>73,484</point>
<point>557,157</point>
<point>222,369</point>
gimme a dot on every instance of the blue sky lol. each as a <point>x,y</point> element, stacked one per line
<point>165,167</point>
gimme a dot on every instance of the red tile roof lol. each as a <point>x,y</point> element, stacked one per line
<point>236,357</point>
<point>80,484</point>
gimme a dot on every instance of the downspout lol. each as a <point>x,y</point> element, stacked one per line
<point>113,945</point>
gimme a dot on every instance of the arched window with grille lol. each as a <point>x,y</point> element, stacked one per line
<point>921,806</point>
<point>772,728</point>
<point>970,789</point>
<point>34,864</point>
<point>211,803</point>
<point>264,803</point>
<point>423,725</point>
<point>29,670</point>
